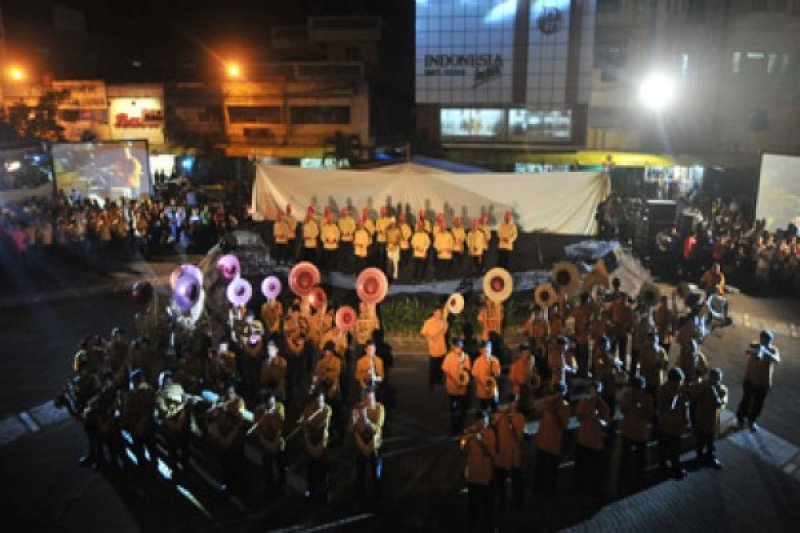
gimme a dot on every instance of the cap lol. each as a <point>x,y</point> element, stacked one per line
<point>485,217</point>
<point>439,216</point>
<point>474,221</point>
<point>768,334</point>
<point>345,210</point>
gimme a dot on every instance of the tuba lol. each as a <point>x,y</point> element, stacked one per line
<point>318,298</point>
<point>498,284</point>
<point>455,303</point>
<point>345,318</point>
<point>303,277</point>
<point>545,295</point>
<point>372,285</point>
<point>565,277</point>
<point>649,294</point>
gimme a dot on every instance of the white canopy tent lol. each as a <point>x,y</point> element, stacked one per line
<point>556,202</point>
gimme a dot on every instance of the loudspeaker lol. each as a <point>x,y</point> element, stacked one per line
<point>661,211</point>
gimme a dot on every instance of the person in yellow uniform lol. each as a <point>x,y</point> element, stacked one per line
<point>393,238</point>
<point>368,417</point>
<point>291,225</point>
<point>459,242</point>
<point>405,240</point>
<point>271,315</point>
<point>310,236</point>
<point>369,368</point>
<point>435,331</point>
<point>477,245</point>
<point>506,236</point>
<point>268,420</point>
<point>456,368</point>
<point>443,243</point>
<point>486,374</point>
<point>316,421</point>
<point>380,237</point>
<point>524,377</point>
<point>273,371</point>
<point>362,239</point>
<point>420,242</point>
<point>490,319</point>
<point>368,222</point>
<point>366,324</point>
<point>347,230</point>
<point>487,232</point>
<point>330,235</point>
<point>480,447</point>
<point>280,234</point>
<point>426,224</point>
<point>509,424</point>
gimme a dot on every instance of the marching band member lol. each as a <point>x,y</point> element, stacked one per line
<point>118,358</point>
<point>368,222</point>
<point>524,377</point>
<point>291,226</point>
<point>537,329</point>
<point>559,362</point>
<point>671,411</point>
<point>490,318</point>
<point>137,407</point>
<point>507,235</point>
<point>435,330</point>
<point>443,243</point>
<point>761,360</point>
<point>694,364</point>
<point>554,413</point>
<point>639,338</point>
<point>369,368</point>
<point>486,372</point>
<point>622,322</point>
<point>582,316</point>
<point>606,369</point>
<point>477,244</point>
<point>487,231</point>
<point>665,321</point>
<point>280,234</point>
<point>393,238</point>
<point>362,239</point>
<point>100,424</point>
<point>509,426</point>
<point>366,325</point>
<point>268,420</point>
<point>594,416</point>
<point>328,370</point>
<point>228,422</point>
<point>638,409</point>
<point>174,418</point>
<point>315,423</point>
<point>367,423</point>
<point>710,398</point>
<point>380,236</point>
<point>653,363</point>
<point>459,240</point>
<point>330,235</point>
<point>273,371</point>
<point>250,365</point>
<point>347,230</point>
<point>271,315</point>
<point>456,369</point>
<point>310,236</point>
<point>480,448</point>
<point>405,239</point>
<point>420,242</point>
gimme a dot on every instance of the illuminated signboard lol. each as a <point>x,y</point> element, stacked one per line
<point>136,118</point>
<point>485,123</point>
<point>526,124</point>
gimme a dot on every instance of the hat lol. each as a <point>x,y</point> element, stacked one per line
<point>768,334</point>
<point>458,341</point>
<point>384,210</point>
<point>345,210</point>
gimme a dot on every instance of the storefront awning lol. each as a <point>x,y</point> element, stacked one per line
<point>285,152</point>
<point>596,158</point>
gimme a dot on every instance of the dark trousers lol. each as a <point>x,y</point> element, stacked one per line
<point>488,404</point>
<point>588,468</point>
<point>274,463</point>
<point>582,358</point>
<point>457,266</point>
<point>546,470</point>
<point>705,445</point>
<point>310,254</point>
<point>317,478</point>
<point>281,253</point>
<point>480,504</point>
<point>373,463</point>
<point>752,401</point>
<point>434,371</point>
<point>503,258</point>
<point>669,450</point>
<point>419,269</point>
<point>634,457</point>
<point>458,413</point>
<point>621,347</point>
<point>442,268</point>
<point>501,476</point>
<point>330,260</point>
<point>345,256</point>
<point>477,265</point>
<point>233,468</point>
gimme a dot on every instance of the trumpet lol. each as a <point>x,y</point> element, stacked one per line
<point>491,385</point>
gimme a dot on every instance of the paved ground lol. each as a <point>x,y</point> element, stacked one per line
<point>46,491</point>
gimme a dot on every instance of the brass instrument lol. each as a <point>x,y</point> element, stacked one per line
<point>463,373</point>
<point>649,294</point>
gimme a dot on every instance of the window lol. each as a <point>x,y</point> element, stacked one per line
<point>772,64</point>
<point>255,114</point>
<point>785,64</point>
<point>608,6</point>
<point>737,62</point>
<point>529,124</point>
<point>320,115</point>
<point>684,65</point>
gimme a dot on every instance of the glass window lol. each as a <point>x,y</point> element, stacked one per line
<point>320,115</point>
<point>532,124</point>
<point>255,114</point>
<point>737,62</point>
<point>772,63</point>
<point>684,65</point>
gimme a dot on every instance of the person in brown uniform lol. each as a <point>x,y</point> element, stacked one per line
<point>435,330</point>
<point>594,416</point>
<point>710,398</point>
<point>524,377</point>
<point>506,237</point>
<point>638,409</point>
<point>480,448</point>
<point>273,372</point>
<point>554,413</point>
<point>582,316</point>
<point>761,360</point>
<point>368,417</point>
<point>486,374</point>
<point>315,423</point>
<point>369,368</point>
<point>268,419</point>
<point>509,426</point>
<point>137,407</point>
<point>456,369</point>
<point>271,315</point>
<point>671,412</point>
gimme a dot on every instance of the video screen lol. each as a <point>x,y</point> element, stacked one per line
<point>103,169</point>
<point>472,122</point>
<point>779,191</point>
<point>547,125</point>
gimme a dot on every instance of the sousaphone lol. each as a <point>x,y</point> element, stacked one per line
<point>303,277</point>
<point>317,298</point>
<point>455,303</point>
<point>565,277</point>
<point>498,284</point>
<point>372,285</point>
<point>545,295</point>
<point>346,318</point>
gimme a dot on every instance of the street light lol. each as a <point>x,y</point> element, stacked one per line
<point>233,70</point>
<point>657,91</point>
<point>16,73</point>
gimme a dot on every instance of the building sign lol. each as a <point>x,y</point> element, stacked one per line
<point>137,117</point>
<point>482,67</point>
<point>82,94</point>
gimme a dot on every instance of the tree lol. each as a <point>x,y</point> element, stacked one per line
<point>38,122</point>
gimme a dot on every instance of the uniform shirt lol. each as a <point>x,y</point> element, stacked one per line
<point>653,363</point>
<point>523,374</point>
<point>291,224</point>
<point>393,238</point>
<point>477,242</point>
<point>315,428</point>
<point>337,337</point>
<point>480,455</point>
<point>380,228</point>
<point>310,233</point>
<point>369,225</point>
<point>405,236</point>
<point>443,243</point>
<point>554,413</point>
<point>714,282</point>
<point>665,323</point>
<point>671,407</point>
<point>328,369</point>
<point>347,228</point>
<point>593,415</point>
<point>708,406</point>
<point>483,369</point>
<point>507,234</point>
<point>420,242</point>
<point>638,409</point>
<point>509,428</point>
<point>434,330</point>
<point>329,234</point>
<point>273,373</point>
<point>361,242</point>
<point>368,433</point>
<point>459,237</point>
<point>760,369</point>
<point>452,366</point>
<point>366,324</point>
<point>487,232</point>
<point>269,426</point>
<point>490,317</point>
<point>271,313</point>
<point>583,318</point>
<point>364,367</point>
<point>280,231</point>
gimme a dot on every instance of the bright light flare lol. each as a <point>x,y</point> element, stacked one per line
<point>16,73</point>
<point>657,91</point>
<point>234,70</point>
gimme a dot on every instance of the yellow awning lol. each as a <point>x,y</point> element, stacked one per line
<point>592,158</point>
<point>288,152</point>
